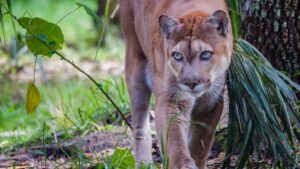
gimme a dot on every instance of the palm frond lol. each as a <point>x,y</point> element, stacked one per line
<point>263,120</point>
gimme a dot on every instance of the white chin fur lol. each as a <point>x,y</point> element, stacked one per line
<point>198,94</point>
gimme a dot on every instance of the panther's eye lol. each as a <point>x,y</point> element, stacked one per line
<point>177,56</point>
<point>206,55</point>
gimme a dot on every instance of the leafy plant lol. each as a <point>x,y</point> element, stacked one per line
<point>262,115</point>
<point>48,38</point>
<point>263,120</point>
<point>122,158</point>
<point>42,37</point>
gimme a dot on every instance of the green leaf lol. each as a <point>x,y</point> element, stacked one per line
<point>101,166</point>
<point>122,159</point>
<point>8,2</point>
<point>42,37</point>
<point>33,98</point>
<point>245,148</point>
<point>2,24</point>
<point>107,8</point>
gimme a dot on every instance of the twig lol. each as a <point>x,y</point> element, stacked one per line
<point>114,12</point>
<point>34,69</point>
<point>99,86</point>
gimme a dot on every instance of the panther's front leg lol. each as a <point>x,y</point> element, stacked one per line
<point>201,137</point>
<point>172,122</point>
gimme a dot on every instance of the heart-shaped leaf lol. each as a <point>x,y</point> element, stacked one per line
<point>42,37</point>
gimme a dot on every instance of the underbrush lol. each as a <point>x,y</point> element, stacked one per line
<point>72,104</point>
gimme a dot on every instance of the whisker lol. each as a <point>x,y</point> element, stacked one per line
<point>212,91</point>
<point>218,84</point>
<point>219,93</point>
<point>216,92</point>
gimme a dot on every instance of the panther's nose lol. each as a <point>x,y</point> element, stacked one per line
<point>192,84</point>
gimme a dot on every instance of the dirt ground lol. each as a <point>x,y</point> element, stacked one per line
<point>95,146</point>
<point>56,69</point>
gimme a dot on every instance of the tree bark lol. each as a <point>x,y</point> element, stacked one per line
<point>273,26</point>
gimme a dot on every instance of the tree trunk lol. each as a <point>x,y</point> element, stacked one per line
<point>101,7</point>
<point>273,26</point>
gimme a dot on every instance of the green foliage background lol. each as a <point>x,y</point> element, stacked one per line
<point>66,104</point>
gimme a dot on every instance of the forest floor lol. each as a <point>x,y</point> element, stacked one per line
<point>82,149</point>
<point>94,148</point>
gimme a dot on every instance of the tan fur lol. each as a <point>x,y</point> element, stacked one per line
<point>189,91</point>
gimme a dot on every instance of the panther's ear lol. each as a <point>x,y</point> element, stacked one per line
<point>220,21</point>
<point>167,24</point>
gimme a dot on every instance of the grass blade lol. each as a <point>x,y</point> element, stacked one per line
<point>2,22</point>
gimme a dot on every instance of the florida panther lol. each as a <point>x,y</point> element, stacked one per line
<point>180,50</point>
